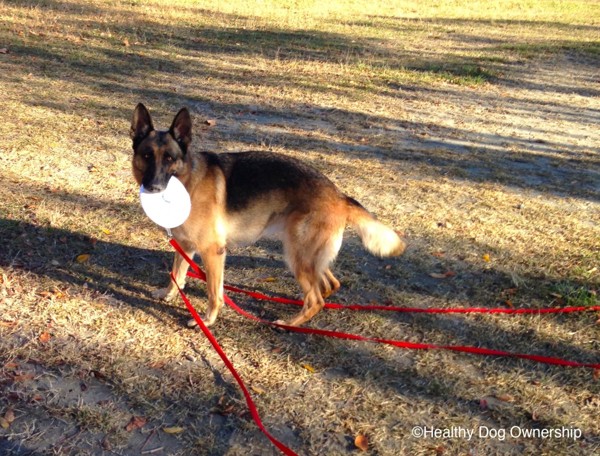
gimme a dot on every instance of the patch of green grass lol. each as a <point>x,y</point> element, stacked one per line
<point>460,73</point>
<point>545,49</point>
<point>575,295</point>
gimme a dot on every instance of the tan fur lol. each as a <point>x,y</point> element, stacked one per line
<point>310,222</point>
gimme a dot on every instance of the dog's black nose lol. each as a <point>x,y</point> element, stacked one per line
<point>153,188</point>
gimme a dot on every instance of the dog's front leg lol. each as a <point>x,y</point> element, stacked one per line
<point>214,262</point>
<point>180,268</point>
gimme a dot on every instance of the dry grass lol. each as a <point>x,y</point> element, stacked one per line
<point>474,130</point>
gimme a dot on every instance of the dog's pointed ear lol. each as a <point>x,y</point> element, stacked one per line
<point>141,124</point>
<point>181,129</point>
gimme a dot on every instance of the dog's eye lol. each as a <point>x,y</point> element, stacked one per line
<point>168,158</point>
<point>147,156</point>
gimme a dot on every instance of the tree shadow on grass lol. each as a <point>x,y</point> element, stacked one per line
<point>548,166</point>
<point>127,273</point>
<point>543,166</point>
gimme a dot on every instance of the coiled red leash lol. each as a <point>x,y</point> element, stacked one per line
<point>196,272</point>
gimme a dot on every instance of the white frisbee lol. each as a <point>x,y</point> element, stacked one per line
<point>169,208</point>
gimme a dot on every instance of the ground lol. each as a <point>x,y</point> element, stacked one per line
<point>473,131</point>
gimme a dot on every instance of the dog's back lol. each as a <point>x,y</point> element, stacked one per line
<point>250,176</point>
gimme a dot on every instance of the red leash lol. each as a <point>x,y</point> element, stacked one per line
<point>459,310</point>
<point>199,274</point>
<point>251,406</point>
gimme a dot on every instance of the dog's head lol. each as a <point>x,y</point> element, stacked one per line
<point>158,155</point>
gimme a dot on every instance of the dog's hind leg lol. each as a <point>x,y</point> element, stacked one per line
<point>180,268</point>
<point>309,250</point>
<point>313,300</point>
<point>329,284</point>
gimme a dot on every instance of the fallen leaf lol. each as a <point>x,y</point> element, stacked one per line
<point>4,51</point>
<point>494,402</point>
<point>4,424</point>
<point>445,275</point>
<point>309,368</point>
<point>45,337</point>
<point>440,450</point>
<point>106,445</point>
<point>23,377</point>
<point>49,294</point>
<point>361,442</point>
<point>596,374</point>
<point>437,275</point>
<point>486,258</point>
<point>224,410</point>
<point>559,299</point>
<point>508,303</point>
<point>438,254</point>
<point>9,416</point>
<point>97,374</point>
<point>136,422</point>
<point>257,389</point>
<point>269,279</point>
<point>82,258</point>
<point>58,293</point>
<point>126,42</point>
<point>173,430</point>
<point>506,397</point>
<point>223,407</point>
<point>105,231</point>
<point>210,122</point>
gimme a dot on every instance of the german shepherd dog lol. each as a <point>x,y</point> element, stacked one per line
<point>238,198</point>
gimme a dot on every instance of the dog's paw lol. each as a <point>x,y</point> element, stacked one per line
<point>210,318</point>
<point>164,294</point>
<point>277,328</point>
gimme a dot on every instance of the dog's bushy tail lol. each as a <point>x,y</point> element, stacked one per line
<point>377,238</point>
